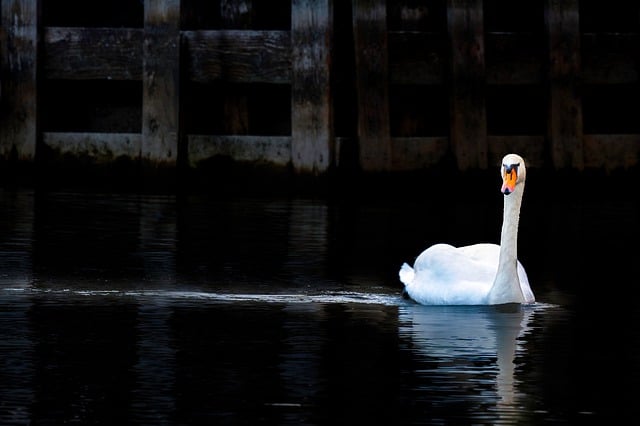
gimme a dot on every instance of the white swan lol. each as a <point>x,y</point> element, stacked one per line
<point>479,274</point>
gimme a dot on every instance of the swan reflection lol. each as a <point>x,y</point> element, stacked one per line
<point>471,349</point>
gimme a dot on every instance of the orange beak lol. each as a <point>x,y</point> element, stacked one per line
<point>509,178</point>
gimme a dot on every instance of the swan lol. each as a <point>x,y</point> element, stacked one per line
<point>479,274</point>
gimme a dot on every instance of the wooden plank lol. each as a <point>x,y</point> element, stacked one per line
<point>565,108</point>
<point>236,14</point>
<point>274,150</point>
<point>19,64</point>
<point>418,58</point>
<point>100,147</point>
<point>160,82</point>
<point>239,56</point>
<point>468,112</point>
<point>92,53</point>
<point>611,152</point>
<point>417,153</point>
<point>372,83</point>
<point>311,115</point>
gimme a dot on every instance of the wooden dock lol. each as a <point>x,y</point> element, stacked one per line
<point>311,86</point>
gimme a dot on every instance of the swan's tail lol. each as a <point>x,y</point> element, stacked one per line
<point>406,274</point>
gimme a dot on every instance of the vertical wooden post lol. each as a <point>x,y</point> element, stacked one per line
<point>18,76</point>
<point>236,14</point>
<point>565,107</point>
<point>372,83</point>
<point>311,111</point>
<point>160,82</point>
<point>468,129</point>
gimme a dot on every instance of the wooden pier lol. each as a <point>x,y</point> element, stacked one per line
<point>311,86</point>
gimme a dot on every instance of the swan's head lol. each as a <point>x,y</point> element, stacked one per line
<point>513,173</point>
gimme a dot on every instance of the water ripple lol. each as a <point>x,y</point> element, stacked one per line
<point>387,299</point>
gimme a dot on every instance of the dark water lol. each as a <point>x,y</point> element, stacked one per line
<point>143,309</point>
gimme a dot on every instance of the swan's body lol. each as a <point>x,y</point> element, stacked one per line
<point>479,274</point>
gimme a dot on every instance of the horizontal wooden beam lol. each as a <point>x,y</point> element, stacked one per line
<point>411,153</point>
<point>256,149</point>
<point>415,153</point>
<point>93,53</point>
<point>239,56</point>
<point>513,58</point>
<point>104,147</point>
<point>611,152</point>
<point>116,53</point>
<point>100,147</point>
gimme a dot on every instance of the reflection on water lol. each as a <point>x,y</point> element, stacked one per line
<point>472,352</point>
<point>154,357</point>
<point>140,309</point>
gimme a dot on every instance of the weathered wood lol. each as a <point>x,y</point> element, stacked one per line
<point>511,58</point>
<point>92,53</point>
<point>160,82</point>
<point>236,14</point>
<point>415,52</point>
<point>239,56</point>
<point>258,149</point>
<point>468,112</point>
<point>372,83</point>
<point>565,107</point>
<point>610,152</point>
<point>311,115</point>
<point>100,147</point>
<point>416,153</point>
<point>18,68</point>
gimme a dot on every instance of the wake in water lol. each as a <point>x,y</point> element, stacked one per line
<point>387,299</point>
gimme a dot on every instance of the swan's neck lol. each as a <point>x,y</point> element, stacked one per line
<point>506,286</point>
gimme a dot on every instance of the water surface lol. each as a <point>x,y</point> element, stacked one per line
<point>158,309</point>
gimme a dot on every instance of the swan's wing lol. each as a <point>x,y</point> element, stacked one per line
<point>485,253</point>
<point>444,262</point>
<point>444,274</point>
